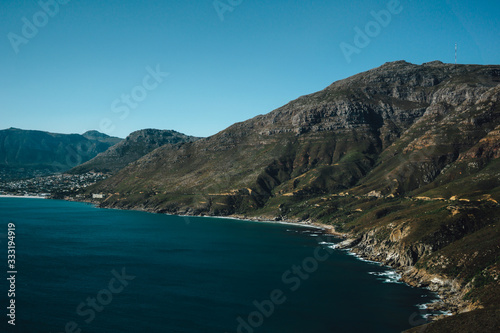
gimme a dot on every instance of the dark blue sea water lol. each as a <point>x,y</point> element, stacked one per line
<point>84,269</point>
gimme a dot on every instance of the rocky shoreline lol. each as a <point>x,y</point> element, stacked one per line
<point>367,247</point>
<point>450,291</point>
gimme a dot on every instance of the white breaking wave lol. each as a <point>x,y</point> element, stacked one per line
<point>329,245</point>
<point>422,306</point>
<point>389,276</point>
<point>362,259</point>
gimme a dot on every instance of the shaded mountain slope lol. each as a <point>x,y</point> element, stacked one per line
<point>25,154</point>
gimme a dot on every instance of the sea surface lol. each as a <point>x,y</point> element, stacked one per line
<point>85,269</point>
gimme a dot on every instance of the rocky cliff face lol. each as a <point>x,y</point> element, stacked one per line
<point>404,257</point>
<point>449,246</point>
<point>135,146</point>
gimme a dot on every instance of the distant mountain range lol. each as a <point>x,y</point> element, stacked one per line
<point>26,153</point>
<point>135,146</point>
<point>402,159</point>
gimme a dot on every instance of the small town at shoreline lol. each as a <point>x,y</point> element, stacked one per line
<point>57,186</point>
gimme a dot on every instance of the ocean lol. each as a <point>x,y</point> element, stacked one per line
<point>80,269</point>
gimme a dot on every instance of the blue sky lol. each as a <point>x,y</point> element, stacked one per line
<point>91,64</point>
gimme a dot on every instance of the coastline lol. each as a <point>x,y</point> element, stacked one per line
<point>430,311</point>
<point>448,292</point>
<point>433,310</point>
<point>328,229</point>
<point>21,196</point>
<point>351,244</point>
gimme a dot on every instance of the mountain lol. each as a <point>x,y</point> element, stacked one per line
<point>26,153</point>
<point>395,129</point>
<point>403,160</point>
<point>135,146</point>
<point>101,137</point>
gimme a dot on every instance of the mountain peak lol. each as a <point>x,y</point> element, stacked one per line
<point>397,63</point>
<point>98,136</point>
<point>95,133</point>
<point>433,63</point>
<point>135,145</point>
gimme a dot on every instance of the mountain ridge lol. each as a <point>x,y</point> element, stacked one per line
<point>348,113</point>
<point>29,153</point>
<point>402,159</point>
<point>134,146</point>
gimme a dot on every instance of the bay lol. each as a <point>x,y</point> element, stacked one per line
<point>85,269</point>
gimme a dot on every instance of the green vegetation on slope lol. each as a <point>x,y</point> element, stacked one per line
<point>404,158</point>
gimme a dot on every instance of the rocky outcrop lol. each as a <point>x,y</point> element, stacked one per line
<point>449,246</point>
<point>403,258</point>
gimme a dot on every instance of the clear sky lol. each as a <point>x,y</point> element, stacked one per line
<point>103,64</point>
